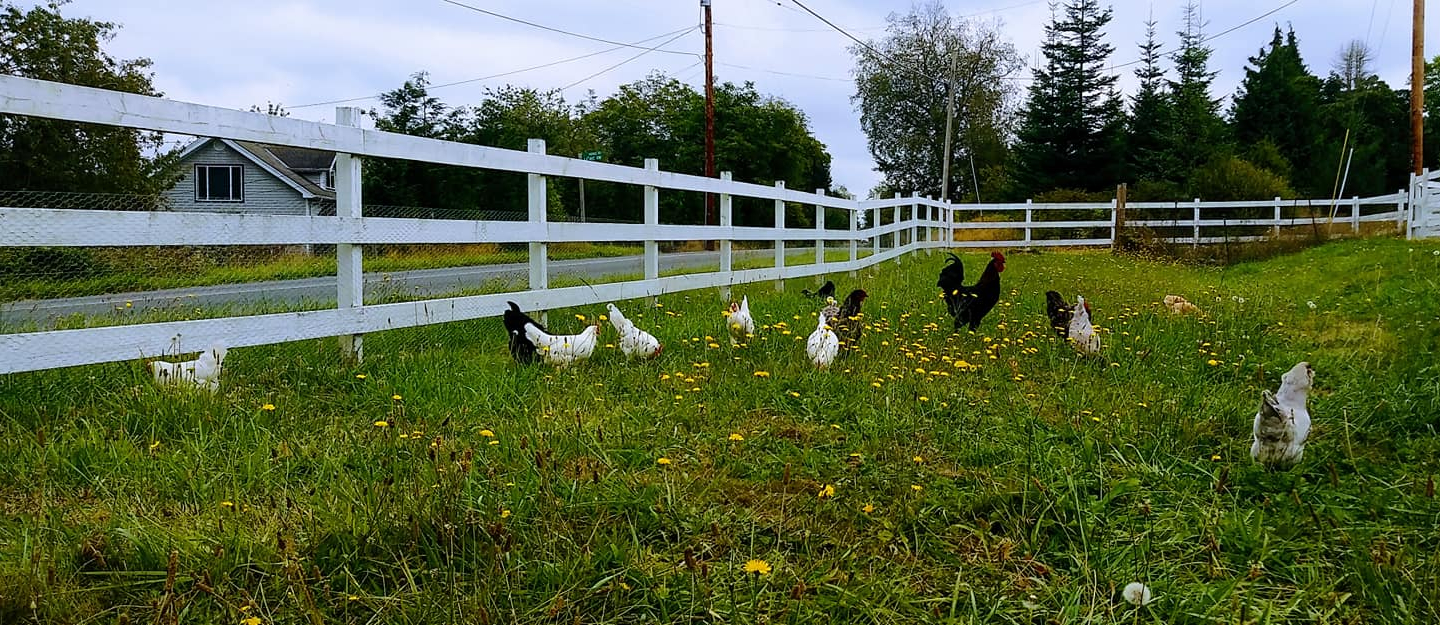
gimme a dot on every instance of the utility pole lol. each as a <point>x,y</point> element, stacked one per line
<point>1417,89</point>
<point>949,123</point>
<point>710,117</point>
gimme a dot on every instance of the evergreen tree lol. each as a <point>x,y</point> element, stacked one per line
<point>1197,133</point>
<point>1068,123</point>
<point>1150,116</point>
<point>1278,102</point>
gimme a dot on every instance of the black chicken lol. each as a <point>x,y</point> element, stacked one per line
<point>847,323</point>
<point>825,291</point>
<point>521,348</point>
<point>1059,313</point>
<point>969,304</point>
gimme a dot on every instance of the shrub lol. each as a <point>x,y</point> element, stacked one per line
<point>1230,178</point>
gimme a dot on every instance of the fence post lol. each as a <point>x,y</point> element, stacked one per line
<point>727,264</point>
<point>1401,206</point>
<point>914,222</point>
<point>780,239</point>
<point>1355,214</point>
<point>854,243</point>
<point>349,258</point>
<point>1029,211</point>
<point>898,237</point>
<point>875,228</point>
<point>538,204</point>
<point>652,219</point>
<point>1118,227</point>
<point>820,229</point>
<point>928,229</point>
<point>1277,217</point>
<point>1196,242</point>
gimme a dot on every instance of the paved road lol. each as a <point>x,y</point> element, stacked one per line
<point>321,291</point>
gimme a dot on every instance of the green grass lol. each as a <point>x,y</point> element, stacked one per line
<point>1046,483</point>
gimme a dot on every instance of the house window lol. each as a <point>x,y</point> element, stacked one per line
<point>219,183</point>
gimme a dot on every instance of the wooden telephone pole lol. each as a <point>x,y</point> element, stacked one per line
<point>1417,89</point>
<point>710,116</point>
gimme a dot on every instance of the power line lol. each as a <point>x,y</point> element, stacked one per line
<point>503,74</point>
<point>863,44</point>
<point>867,28</point>
<point>1216,35</point>
<point>780,73</point>
<point>549,28</point>
<point>642,53</point>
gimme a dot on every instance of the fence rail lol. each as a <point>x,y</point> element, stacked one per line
<point>914,223</point>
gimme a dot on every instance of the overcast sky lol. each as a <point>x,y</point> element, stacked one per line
<point>297,52</point>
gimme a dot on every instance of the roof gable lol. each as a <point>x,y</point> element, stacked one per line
<point>264,157</point>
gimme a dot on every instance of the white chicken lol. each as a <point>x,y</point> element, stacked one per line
<point>633,340</point>
<point>823,344</point>
<point>564,349</point>
<point>1283,421</point>
<point>1081,332</point>
<point>1179,305</point>
<point>739,322</point>
<point>203,372</point>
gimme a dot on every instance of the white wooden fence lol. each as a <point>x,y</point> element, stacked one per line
<point>918,223</point>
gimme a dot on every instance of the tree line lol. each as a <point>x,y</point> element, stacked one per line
<point>1071,134</point>
<point>758,138</point>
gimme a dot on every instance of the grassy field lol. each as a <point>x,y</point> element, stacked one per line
<point>932,478</point>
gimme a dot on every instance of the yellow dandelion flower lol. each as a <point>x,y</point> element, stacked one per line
<point>919,459</point>
<point>494,442</point>
<point>487,433</point>
<point>757,567</point>
<point>604,318</point>
<point>1212,362</point>
<point>736,437</point>
<point>916,487</point>
<point>827,492</point>
<point>227,504</point>
<point>395,397</point>
<point>154,445</point>
<point>504,514</point>
<point>868,509</point>
<point>268,407</point>
<point>359,376</point>
<point>254,620</point>
<point>924,398</point>
<point>662,461</point>
<point>581,318</point>
<point>1215,457</point>
<point>762,374</point>
<point>382,424</point>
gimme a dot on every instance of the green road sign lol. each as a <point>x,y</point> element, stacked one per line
<point>593,155</point>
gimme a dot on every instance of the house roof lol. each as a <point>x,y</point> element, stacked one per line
<point>268,158</point>
<point>303,159</point>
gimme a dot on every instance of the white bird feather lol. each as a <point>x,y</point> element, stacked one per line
<point>1283,421</point>
<point>203,372</point>
<point>633,340</point>
<point>1081,332</point>
<point>739,323</point>
<point>563,349</point>
<point>823,344</point>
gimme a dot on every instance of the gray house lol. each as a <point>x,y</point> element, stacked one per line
<point>221,175</point>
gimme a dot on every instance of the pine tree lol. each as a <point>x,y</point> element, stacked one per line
<point>1197,133</point>
<point>1067,125</point>
<point>1150,116</point>
<point>1278,102</point>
